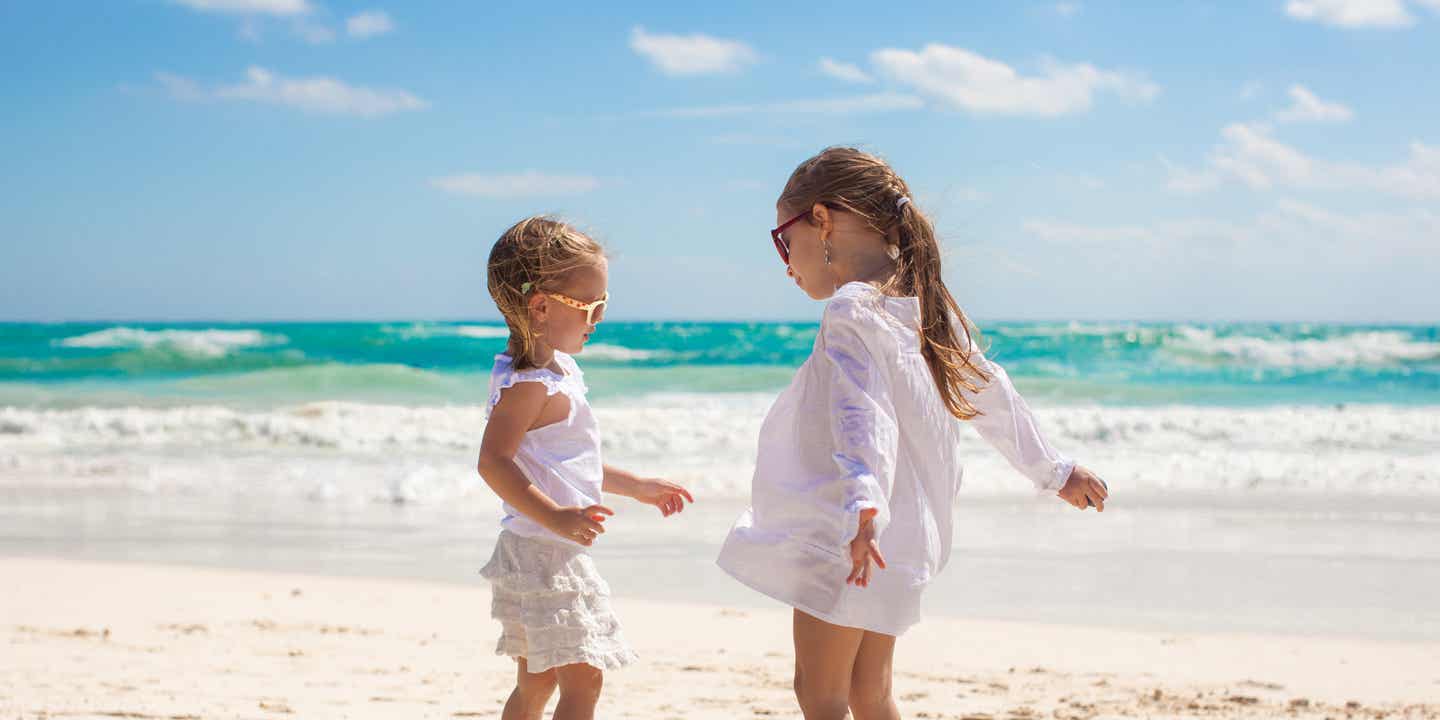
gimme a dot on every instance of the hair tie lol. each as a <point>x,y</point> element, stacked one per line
<point>902,202</point>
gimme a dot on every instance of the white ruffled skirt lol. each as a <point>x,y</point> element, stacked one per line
<point>553,606</point>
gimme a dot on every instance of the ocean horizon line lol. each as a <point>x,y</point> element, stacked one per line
<point>716,320</point>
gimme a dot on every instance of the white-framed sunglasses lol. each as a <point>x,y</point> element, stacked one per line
<point>591,309</point>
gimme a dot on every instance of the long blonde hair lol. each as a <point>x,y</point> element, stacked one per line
<point>853,181</point>
<point>534,255</point>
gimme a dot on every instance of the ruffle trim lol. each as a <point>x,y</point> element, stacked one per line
<point>546,568</point>
<point>553,606</point>
<point>504,375</point>
<point>536,662</point>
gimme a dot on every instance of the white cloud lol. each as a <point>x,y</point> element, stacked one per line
<point>1252,155</point>
<point>1418,226</point>
<point>180,88</point>
<point>249,30</point>
<point>369,24</point>
<point>691,54</point>
<point>968,81</point>
<point>314,34</point>
<point>318,94</point>
<point>250,7</point>
<point>1189,182</point>
<point>848,72</point>
<point>526,184</point>
<point>968,194</point>
<point>1306,107</point>
<point>877,102</point>
<point>1071,233</point>
<point>1352,13</point>
<point>1287,224</point>
<point>1067,9</point>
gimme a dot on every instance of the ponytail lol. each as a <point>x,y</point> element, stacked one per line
<point>947,337</point>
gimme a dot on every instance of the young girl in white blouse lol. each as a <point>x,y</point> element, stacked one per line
<point>858,461</point>
<point>541,455</point>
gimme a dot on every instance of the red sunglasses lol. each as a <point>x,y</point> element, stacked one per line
<point>781,246</point>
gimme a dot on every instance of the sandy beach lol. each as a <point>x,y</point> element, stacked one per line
<point>106,640</point>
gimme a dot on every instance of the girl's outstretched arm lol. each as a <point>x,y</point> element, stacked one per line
<point>1008,424</point>
<point>668,496</point>
<point>519,407</point>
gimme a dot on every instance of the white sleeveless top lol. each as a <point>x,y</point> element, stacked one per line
<point>563,458</point>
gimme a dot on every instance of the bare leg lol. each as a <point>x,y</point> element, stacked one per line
<point>532,691</point>
<point>824,663</point>
<point>870,687</point>
<point>579,691</point>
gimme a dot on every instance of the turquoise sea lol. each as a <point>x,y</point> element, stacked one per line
<point>427,363</point>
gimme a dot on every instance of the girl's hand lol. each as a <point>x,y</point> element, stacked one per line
<point>864,549</point>
<point>1084,490</point>
<point>582,525</point>
<point>663,494</point>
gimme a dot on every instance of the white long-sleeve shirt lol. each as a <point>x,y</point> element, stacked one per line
<point>862,426</point>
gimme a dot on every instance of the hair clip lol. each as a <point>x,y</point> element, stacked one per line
<point>902,202</point>
<point>525,287</point>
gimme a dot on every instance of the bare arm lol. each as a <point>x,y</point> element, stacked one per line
<point>510,419</point>
<point>663,494</point>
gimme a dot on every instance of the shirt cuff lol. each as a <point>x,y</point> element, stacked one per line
<point>1059,473</point>
<point>852,519</point>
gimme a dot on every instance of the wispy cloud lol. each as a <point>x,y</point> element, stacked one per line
<point>965,80</point>
<point>1067,9</point>
<point>1071,233</point>
<point>859,104</point>
<point>284,8</point>
<point>178,87</point>
<point>1184,181</point>
<point>848,72</point>
<point>1306,107</point>
<point>525,184</point>
<point>694,54</point>
<point>1250,154</point>
<point>1287,222</point>
<point>1352,13</point>
<point>317,94</point>
<point>313,33</point>
<point>369,24</point>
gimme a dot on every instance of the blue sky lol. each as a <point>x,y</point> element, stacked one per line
<point>310,159</point>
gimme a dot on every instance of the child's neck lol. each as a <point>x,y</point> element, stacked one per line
<point>540,353</point>
<point>872,268</point>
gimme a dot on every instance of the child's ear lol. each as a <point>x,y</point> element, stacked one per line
<point>539,306</point>
<point>820,215</point>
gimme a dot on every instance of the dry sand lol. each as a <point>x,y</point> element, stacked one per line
<point>84,640</point>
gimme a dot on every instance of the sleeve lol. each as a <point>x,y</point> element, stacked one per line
<point>1007,423</point>
<point>504,380</point>
<point>862,417</point>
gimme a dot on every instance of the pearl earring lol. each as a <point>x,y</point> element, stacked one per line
<point>893,251</point>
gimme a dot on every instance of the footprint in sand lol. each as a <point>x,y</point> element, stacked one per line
<point>276,706</point>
